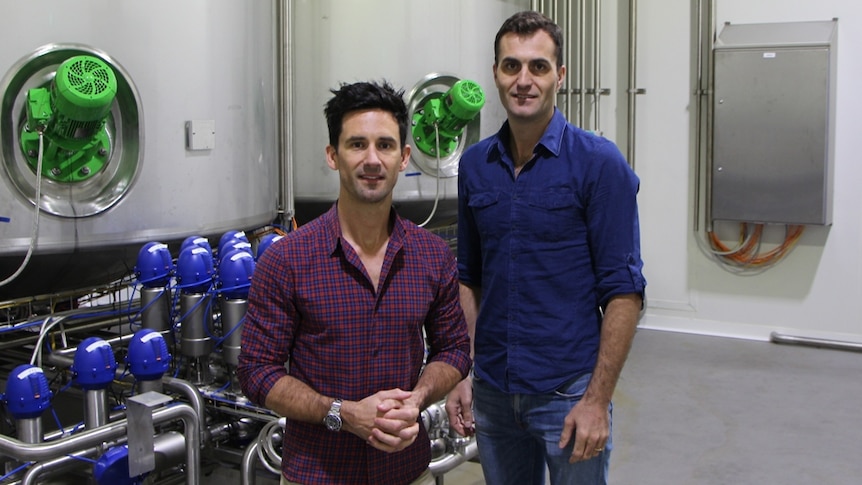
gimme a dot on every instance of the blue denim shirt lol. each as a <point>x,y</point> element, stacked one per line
<point>548,248</point>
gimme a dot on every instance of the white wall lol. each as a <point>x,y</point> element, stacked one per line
<point>811,292</point>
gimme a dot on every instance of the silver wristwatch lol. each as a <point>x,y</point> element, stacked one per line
<point>332,421</point>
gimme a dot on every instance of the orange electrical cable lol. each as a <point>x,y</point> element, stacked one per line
<point>746,253</point>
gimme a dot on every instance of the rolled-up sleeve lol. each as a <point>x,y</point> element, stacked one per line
<point>446,328</point>
<point>267,331</point>
<point>613,228</point>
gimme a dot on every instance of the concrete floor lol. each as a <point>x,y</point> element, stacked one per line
<point>717,411</point>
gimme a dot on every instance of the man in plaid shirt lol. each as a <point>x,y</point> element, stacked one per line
<point>349,300</point>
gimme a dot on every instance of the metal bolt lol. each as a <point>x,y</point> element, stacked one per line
<point>85,170</point>
<point>102,151</point>
<point>31,153</point>
<point>56,172</point>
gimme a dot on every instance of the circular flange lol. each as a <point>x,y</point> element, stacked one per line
<point>123,128</point>
<point>430,86</point>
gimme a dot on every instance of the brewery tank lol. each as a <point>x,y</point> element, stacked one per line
<point>415,45</point>
<point>191,139</point>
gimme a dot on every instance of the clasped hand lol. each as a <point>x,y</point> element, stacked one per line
<point>387,420</point>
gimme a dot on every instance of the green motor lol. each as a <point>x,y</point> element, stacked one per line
<point>71,114</point>
<point>450,113</point>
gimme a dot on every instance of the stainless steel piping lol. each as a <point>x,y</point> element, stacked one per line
<point>633,90</point>
<point>247,467</point>
<point>284,51</point>
<point>780,338</point>
<point>449,462</point>
<point>196,400</point>
<point>180,386</point>
<point>168,449</point>
<point>58,464</point>
<point>703,114</point>
<point>698,115</point>
<point>582,61</point>
<point>597,65</point>
<point>710,97</point>
<point>21,451</point>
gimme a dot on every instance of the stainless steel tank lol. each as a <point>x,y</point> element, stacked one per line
<point>194,131</point>
<point>408,43</point>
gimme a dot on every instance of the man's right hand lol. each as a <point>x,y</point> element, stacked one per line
<point>459,407</point>
<point>400,426</point>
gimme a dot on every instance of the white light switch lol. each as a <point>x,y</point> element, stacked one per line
<point>200,134</point>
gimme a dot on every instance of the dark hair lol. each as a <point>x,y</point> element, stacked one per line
<point>528,23</point>
<point>365,95</point>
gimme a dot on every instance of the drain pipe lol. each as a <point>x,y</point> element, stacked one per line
<point>780,338</point>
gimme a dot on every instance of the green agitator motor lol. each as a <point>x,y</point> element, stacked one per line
<point>71,114</point>
<point>450,112</point>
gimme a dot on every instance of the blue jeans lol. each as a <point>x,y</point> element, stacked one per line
<point>518,435</point>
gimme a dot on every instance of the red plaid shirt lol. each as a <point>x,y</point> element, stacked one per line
<point>312,302</point>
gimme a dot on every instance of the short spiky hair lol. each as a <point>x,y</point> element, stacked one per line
<point>527,23</point>
<point>365,95</point>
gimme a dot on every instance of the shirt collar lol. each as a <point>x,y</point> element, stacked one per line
<point>332,229</point>
<point>552,139</point>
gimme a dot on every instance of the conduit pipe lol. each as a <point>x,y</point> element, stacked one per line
<point>597,65</point>
<point>284,63</point>
<point>780,338</point>
<point>633,90</point>
<point>582,60</point>
<point>37,452</point>
<point>703,109</point>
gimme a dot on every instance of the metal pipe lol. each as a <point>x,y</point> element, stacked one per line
<point>181,386</point>
<point>167,448</point>
<point>49,450</point>
<point>114,342</point>
<point>698,114</point>
<point>193,395</point>
<point>780,338</point>
<point>156,313</point>
<point>284,20</point>
<point>29,430</point>
<point>633,90</point>
<point>710,22</point>
<point>248,461</point>
<point>95,408</point>
<point>68,462</point>
<point>449,462</point>
<point>582,62</point>
<point>597,65</point>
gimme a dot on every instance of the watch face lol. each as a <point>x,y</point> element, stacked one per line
<point>332,422</point>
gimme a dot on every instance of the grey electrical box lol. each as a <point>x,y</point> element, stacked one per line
<point>773,123</point>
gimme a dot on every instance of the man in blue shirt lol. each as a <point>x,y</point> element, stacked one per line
<point>550,270</point>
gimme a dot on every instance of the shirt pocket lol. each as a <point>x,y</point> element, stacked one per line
<point>552,215</point>
<point>488,213</point>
